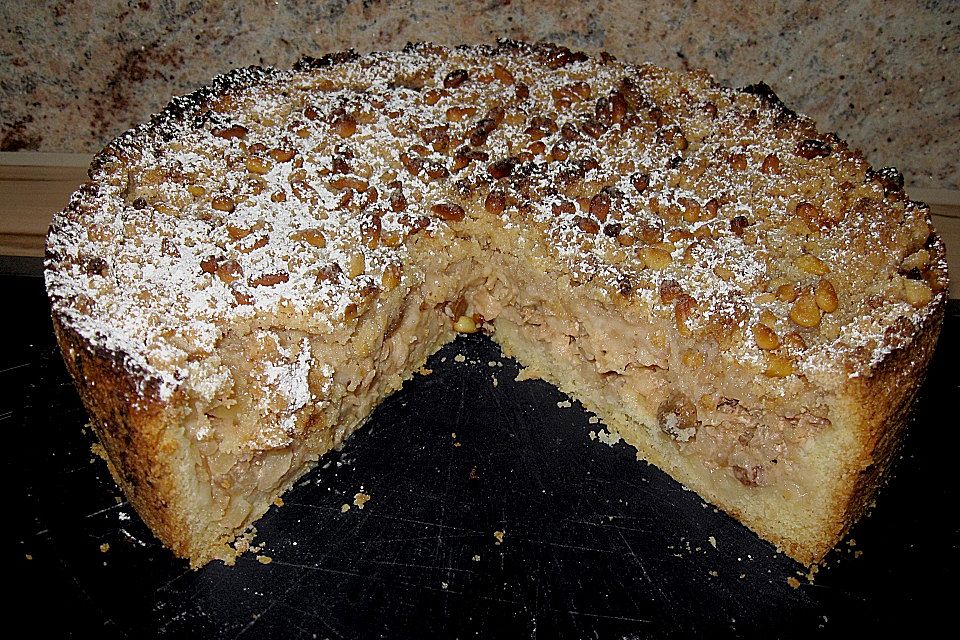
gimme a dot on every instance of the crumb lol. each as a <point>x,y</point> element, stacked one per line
<point>742,576</point>
<point>278,502</point>
<point>527,373</point>
<point>712,541</point>
<point>593,435</point>
<point>454,435</point>
<point>344,507</point>
<point>499,536</point>
<point>105,547</point>
<point>30,557</point>
<point>444,585</point>
<point>495,381</point>
<point>97,449</point>
<point>424,371</point>
<point>851,542</point>
<point>594,420</point>
<point>459,358</point>
<point>564,404</point>
<point>264,559</point>
<point>123,515</point>
<point>713,573</point>
<point>492,363</point>
<point>793,582</point>
<point>857,553</point>
<point>456,444</point>
<point>607,438</point>
<point>476,558</point>
<point>244,542</point>
<point>360,499</point>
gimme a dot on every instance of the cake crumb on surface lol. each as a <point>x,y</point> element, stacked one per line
<point>793,582</point>
<point>476,558</point>
<point>564,404</point>
<point>609,438</point>
<point>459,358</point>
<point>593,420</point>
<point>278,502</point>
<point>264,559</point>
<point>344,507</point>
<point>360,499</point>
<point>712,541</point>
<point>105,547</point>
<point>499,536</point>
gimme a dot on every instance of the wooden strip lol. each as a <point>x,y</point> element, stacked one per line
<point>949,229</point>
<point>44,159</point>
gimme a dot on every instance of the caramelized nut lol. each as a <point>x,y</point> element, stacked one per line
<point>357,266</point>
<point>810,149</point>
<point>826,296</point>
<point>786,293</point>
<point>257,165</point>
<point>501,168</point>
<point>235,131</point>
<point>739,224</point>
<point>738,162</point>
<point>655,258</point>
<point>811,264</point>
<point>917,292</point>
<point>391,277</point>
<point>313,237</point>
<point>600,206</point>
<point>640,182</point>
<point>805,311</point>
<point>765,337</point>
<point>345,127</point>
<point>502,74</point>
<point>771,164</point>
<point>223,203</point>
<point>465,324</point>
<point>779,366</point>
<point>458,114</point>
<point>270,279</point>
<point>282,155</point>
<point>495,202</point>
<point>448,211</point>
<point>455,78</point>
<point>349,182</point>
<point>670,289</point>
<point>229,270</point>
<point>587,225</point>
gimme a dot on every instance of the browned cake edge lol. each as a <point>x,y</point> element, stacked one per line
<point>137,430</point>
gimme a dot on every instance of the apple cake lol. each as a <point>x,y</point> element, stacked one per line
<point>742,298</point>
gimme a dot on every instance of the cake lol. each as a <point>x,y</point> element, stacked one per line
<point>739,296</point>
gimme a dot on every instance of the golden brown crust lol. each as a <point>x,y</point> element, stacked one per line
<point>132,427</point>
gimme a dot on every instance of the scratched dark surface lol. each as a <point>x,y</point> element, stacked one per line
<point>596,544</point>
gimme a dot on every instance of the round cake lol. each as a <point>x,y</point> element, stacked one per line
<point>741,297</point>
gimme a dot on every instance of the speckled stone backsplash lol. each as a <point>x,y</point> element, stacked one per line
<point>884,75</point>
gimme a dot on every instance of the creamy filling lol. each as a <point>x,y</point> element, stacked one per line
<point>292,396</point>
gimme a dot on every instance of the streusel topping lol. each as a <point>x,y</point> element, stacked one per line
<point>273,195</point>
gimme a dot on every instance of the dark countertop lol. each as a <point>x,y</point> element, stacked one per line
<point>596,544</point>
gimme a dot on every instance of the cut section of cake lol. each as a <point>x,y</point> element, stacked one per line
<point>741,297</point>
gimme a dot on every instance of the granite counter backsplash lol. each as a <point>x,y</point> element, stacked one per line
<point>884,75</point>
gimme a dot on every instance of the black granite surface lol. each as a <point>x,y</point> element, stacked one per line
<point>595,543</point>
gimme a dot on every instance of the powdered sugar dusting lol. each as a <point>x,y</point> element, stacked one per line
<point>291,198</point>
